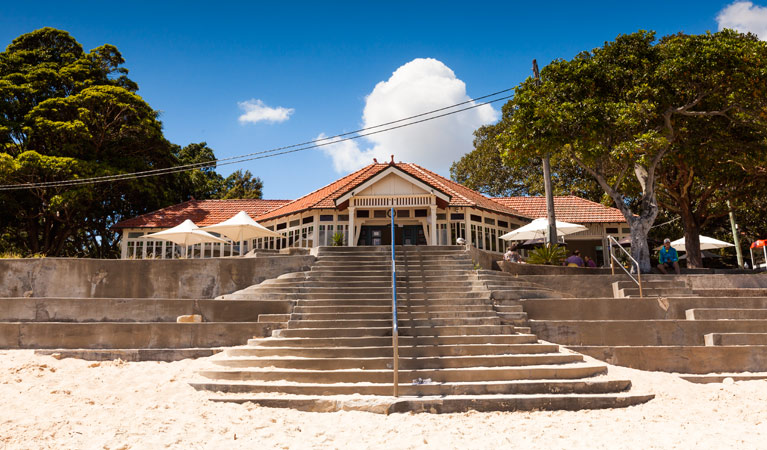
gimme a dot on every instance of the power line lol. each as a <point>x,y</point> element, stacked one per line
<point>265,153</point>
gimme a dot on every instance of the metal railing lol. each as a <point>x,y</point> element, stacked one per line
<point>394,326</point>
<point>614,259</point>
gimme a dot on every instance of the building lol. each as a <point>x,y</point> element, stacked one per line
<point>429,210</point>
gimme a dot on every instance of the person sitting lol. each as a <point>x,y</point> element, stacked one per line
<point>668,258</point>
<point>574,260</point>
<point>588,262</point>
<point>512,255</point>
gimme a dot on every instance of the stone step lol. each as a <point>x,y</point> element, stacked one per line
<point>725,314</point>
<point>385,283</point>
<point>384,289</point>
<point>401,302</point>
<point>405,363</point>
<point>415,294</point>
<point>386,309</point>
<point>273,317</point>
<point>727,339</point>
<point>461,388</point>
<point>386,351</point>
<point>506,309</point>
<point>403,330</point>
<point>402,313</point>
<point>402,322</point>
<point>639,332</point>
<point>399,259</point>
<point>610,308</point>
<point>314,277</point>
<point>404,341</point>
<point>669,292</point>
<point>683,359</point>
<point>565,371</point>
<point>409,249</point>
<point>446,404</point>
<point>652,284</point>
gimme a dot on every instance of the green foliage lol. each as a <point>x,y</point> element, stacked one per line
<point>553,255</point>
<point>66,114</point>
<point>337,239</point>
<point>621,110</point>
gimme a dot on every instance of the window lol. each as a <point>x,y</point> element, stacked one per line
<point>475,218</point>
<point>420,213</point>
<point>403,213</point>
<point>611,230</point>
<point>489,221</point>
<point>454,216</point>
<point>309,219</point>
<point>363,213</point>
<point>626,230</point>
<point>295,223</point>
<point>442,216</point>
<point>503,224</point>
<point>442,234</point>
<point>326,218</point>
<point>343,218</point>
<point>380,213</point>
<point>282,226</point>
<point>457,230</point>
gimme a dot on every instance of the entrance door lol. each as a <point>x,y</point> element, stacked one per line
<point>413,235</point>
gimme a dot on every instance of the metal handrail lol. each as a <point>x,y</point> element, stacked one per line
<point>614,259</point>
<point>394,326</point>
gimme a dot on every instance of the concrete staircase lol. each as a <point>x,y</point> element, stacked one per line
<point>652,288</point>
<point>459,348</point>
<point>688,334</point>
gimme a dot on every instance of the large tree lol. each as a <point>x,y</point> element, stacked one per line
<point>616,110</point>
<point>484,170</point>
<point>66,114</point>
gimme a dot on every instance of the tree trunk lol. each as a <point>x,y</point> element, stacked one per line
<point>640,226</point>
<point>691,237</point>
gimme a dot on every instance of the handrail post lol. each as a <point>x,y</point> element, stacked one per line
<point>395,327</point>
<point>610,246</point>
<point>639,280</point>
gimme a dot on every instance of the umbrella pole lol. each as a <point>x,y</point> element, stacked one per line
<point>240,242</point>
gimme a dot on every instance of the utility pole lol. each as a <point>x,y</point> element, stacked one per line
<point>551,232</point>
<point>735,239</point>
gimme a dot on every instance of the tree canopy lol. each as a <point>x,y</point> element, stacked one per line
<point>621,110</point>
<point>66,114</point>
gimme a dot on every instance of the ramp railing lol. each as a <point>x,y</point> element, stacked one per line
<point>394,326</point>
<point>634,264</point>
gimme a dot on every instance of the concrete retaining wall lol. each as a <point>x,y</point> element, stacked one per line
<point>115,278</point>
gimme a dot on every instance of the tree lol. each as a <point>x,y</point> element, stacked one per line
<point>241,185</point>
<point>484,170</point>
<point>66,114</point>
<point>615,110</point>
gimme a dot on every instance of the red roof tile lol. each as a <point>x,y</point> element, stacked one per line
<point>325,197</point>
<point>568,208</point>
<point>201,212</point>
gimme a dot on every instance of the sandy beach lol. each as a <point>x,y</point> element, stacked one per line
<point>75,404</point>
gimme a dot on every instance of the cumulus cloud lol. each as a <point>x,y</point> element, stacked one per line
<point>416,87</point>
<point>257,111</point>
<point>744,17</point>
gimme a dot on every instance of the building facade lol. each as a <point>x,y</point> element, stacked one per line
<point>355,210</point>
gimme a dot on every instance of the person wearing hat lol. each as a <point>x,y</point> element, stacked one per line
<point>668,257</point>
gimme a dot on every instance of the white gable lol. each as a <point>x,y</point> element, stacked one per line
<point>392,184</point>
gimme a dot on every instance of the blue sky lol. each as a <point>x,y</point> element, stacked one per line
<point>197,62</point>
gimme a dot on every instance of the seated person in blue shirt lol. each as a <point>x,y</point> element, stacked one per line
<point>574,260</point>
<point>668,257</point>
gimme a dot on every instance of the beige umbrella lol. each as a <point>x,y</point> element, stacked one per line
<point>241,227</point>
<point>537,229</point>
<point>706,243</point>
<point>185,234</point>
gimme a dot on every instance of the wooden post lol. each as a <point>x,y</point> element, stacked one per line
<point>551,232</point>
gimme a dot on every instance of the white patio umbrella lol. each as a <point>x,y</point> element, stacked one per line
<point>241,227</point>
<point>706,243</point>
<point>537,229</point>
<point>186,234</point>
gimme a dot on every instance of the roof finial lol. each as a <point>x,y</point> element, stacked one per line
<point>392,159</point>
<point>375,161</point>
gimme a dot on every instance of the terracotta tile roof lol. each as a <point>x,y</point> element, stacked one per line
<point>567,208</point>
<point>325,197</point>
<point>201,212</point>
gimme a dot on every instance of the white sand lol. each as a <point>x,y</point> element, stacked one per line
<point>74,404</point>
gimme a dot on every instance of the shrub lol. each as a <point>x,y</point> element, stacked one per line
<point>551,256</point>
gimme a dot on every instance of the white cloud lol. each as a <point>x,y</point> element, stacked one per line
<point>419,86</point>
<point>744,17</point>
<point>257,111</point>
